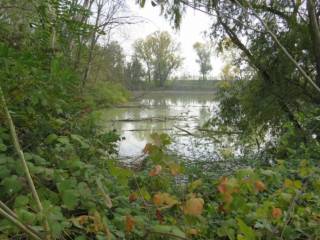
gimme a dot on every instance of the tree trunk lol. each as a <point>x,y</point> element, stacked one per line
<point>93,42</point>
<point>315,35</point>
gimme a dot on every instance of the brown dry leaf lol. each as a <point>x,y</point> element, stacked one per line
<point>276,212</point>
<point>260,186</point>
<point>133,197</point>
<point>193,206</point>
<point>129,222</point>
<point>155,171</point>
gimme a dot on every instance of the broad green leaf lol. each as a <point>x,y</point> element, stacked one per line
<point>246,231</point>
<point>174,230</point>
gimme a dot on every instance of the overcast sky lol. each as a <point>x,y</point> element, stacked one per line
<point>192,28</point>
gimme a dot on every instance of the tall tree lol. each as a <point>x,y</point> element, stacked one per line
<point>160,53</point>
<point>203,52</point>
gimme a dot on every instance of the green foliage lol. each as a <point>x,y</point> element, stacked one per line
<point>204,53</point>
<point>160,54</point>
<point>86,194</point>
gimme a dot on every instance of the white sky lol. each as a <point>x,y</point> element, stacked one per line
<point>192,28</point>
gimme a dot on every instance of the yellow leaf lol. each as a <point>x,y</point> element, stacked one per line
<point>193,207</point>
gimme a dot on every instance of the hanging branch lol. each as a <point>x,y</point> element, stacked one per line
<point>18,149</point>
<point>275,38</point>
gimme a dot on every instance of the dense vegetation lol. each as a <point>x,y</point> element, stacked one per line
<point>58,177</point>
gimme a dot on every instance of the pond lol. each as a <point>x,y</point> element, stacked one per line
<point>179,114</point>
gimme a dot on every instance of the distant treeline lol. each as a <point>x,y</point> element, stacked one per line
<point>182,85</point>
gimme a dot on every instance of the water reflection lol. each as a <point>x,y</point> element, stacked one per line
<point>161,112</point>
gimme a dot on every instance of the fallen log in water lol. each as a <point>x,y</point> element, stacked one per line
<point>147,129</point>
<point>157,119</point>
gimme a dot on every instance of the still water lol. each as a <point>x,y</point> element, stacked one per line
<point>178,114</point>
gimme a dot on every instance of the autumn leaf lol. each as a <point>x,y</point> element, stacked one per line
<point>133,197</point>
<point>164,199</point>
<point>129,223</point>
<point>193,206</point>
<point>260,186</point>
<point>155,171</point>
<point>276,213</point>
